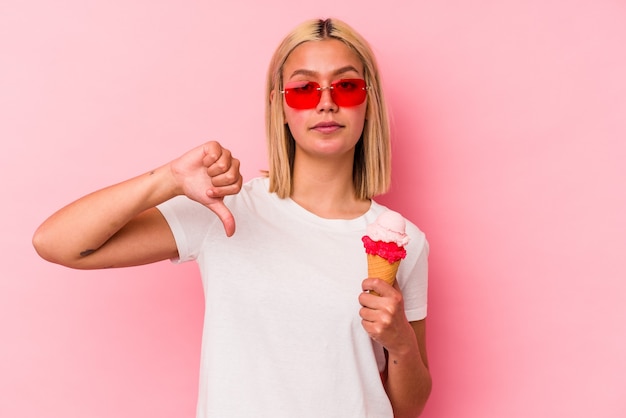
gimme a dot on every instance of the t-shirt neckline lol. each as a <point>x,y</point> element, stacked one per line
<point>295,209</point>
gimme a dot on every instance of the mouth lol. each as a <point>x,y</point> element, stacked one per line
<point>327,127</point>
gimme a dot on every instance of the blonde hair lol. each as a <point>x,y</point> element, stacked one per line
<point>371,172</point>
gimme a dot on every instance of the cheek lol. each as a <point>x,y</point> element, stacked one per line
<point>295,119</point>
<point>360,118</point>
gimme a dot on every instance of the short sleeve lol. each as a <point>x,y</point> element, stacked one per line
<point>413,275</point>
<point>189,222</point>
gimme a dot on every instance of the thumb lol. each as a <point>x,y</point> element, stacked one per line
<point>227,218</point>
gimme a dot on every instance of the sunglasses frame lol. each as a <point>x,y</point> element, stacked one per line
<point>317,92</point>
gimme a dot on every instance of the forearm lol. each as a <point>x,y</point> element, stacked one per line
<point>408,382</point>
<point>83,226</point>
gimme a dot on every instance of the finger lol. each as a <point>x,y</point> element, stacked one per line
<point>227,184</point>
<point>373,329</point>
<point>364,299</point>
<point>217,162</point>
<point>373,306</point>
<point>212,152</point>
<point>369,297</point>
<point>377,286</point>
<point>227,218</point>
<point>367,314</point>
<point>222,191</point>
<point>231,175</point>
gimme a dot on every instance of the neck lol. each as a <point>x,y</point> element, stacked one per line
<point>325,188</point>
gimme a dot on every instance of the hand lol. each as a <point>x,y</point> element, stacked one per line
<point>382,315</point>
<point>206,174</point>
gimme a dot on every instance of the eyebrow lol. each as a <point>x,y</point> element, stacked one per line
<point>337,72</point>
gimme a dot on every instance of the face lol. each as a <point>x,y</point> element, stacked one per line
<point>327,128</point>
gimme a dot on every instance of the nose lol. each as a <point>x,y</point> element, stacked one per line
<point>326,100</point>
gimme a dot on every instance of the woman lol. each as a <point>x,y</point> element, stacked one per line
<point>291,326</point>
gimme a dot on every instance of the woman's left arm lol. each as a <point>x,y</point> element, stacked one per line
<point>407,378</point>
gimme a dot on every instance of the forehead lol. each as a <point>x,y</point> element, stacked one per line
<point>321,58</point>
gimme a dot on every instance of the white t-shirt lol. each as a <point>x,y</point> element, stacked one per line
<point>282,334</point>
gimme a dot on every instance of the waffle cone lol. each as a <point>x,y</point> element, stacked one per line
<point>381,268</point>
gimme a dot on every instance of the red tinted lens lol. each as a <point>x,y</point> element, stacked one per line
<point>302,94</point>
<point>348,92</point>
<point>306,94</point>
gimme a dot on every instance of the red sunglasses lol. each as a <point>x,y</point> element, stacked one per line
<point>307,94</point>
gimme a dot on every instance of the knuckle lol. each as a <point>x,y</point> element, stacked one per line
<point>212,148</point>
<point>221,165</point>
<point>229,177</point>
<point>385,320</point>
<point>226,153</point>
<point>397,299</point>
<point>215,144</point>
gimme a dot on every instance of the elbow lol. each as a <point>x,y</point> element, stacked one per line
<point>42,245</point>
<point>57,248</point>
<point>48,248</point>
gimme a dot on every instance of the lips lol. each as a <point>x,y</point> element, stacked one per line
<point>327,127</point>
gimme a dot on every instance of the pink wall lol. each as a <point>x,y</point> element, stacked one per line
<point>510,123</point>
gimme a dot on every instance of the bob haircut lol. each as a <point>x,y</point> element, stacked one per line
<point>371,171</point>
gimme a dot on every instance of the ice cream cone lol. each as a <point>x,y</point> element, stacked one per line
<point>379,267</point>
<point>384,246</point>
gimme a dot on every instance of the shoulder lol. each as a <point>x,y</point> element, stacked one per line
<point>254,188</point>
<point>254,193</point>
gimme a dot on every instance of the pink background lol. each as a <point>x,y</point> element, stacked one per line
<point>510,139</point>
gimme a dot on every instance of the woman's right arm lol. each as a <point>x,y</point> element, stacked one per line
<point>119,226</point>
